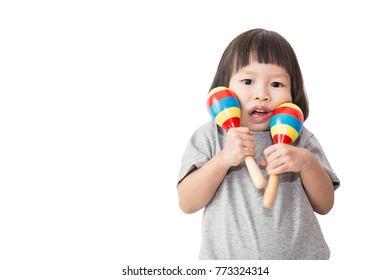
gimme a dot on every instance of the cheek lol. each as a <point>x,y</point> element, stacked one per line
<point>289,94</point>
<point>242,101</point>
<point>240,96</point>
<point>287,97</point>
<point>234,88</point>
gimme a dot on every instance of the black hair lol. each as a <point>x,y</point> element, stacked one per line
<point>267,47</point>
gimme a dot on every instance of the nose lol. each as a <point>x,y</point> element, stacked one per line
<point>261,95</point>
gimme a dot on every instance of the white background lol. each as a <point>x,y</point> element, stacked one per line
<point>99,99</point>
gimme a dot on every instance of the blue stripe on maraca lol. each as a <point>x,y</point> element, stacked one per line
<point>286,119</point>
<point>223,104</point>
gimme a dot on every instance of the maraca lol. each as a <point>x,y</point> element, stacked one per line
<point>225,110</point>
<point>286,125</point>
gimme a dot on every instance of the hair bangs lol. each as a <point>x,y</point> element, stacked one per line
<point>264,48</point>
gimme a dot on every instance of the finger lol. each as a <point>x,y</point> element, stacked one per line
<point>248,144</point>
<point>241,129</point>
<point>263,162</point>
<point>241,134</point>
<point>246,137</point>
<point>273,164</point>
<point>276,169</point>
<point>272,156</point>
<point>269,150</point>
<point>249,151</point>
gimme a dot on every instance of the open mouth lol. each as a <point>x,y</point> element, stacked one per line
<point>260,114</point>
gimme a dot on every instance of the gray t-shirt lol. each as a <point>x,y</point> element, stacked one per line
<point>235,224</point>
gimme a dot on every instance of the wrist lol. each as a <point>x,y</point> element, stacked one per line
<point>222,161</point>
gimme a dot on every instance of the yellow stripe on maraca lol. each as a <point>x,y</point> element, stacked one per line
<point>289,104</point>
<point>286,130</point>
<point>214,90</point>
<point>227,114</point>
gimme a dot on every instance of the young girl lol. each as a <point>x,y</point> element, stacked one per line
<point>261,67</point>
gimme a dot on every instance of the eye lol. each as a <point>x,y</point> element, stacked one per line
<point>247,82</point>
<point>276,84</point>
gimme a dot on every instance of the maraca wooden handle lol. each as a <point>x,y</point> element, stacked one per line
<point>270,191</point>
<point>255,173</point>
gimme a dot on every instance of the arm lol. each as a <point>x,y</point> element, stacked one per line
<point>199,187</point>
<point>318,185</point>
<point>316,182</point>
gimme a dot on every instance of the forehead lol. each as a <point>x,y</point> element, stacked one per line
<point>253,61</point>
<point>263,69</point>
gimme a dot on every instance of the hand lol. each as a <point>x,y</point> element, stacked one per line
<point>239,144</point>
<point>280,158</point>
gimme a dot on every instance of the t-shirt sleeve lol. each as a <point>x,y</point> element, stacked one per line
<point>314,146</point>
<point>197,153</point>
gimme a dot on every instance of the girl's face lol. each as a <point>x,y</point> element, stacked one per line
<point>260,88</point>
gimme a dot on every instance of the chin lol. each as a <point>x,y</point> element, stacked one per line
<point>259,127</point>
<point>256,126</point>
<point>263,126</point>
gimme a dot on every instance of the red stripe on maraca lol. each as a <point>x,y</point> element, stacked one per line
<point>231,122</point>
<point>219,95</point>
<point>290,111</point>
<point>282,138</point>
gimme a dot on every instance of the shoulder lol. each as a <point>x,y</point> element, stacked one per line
<point>305,135</point>
<point>208,130</point>
<point>204,134</point>
<point>307,139</point>
<point>208,127</point>
<point>310,142</point>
